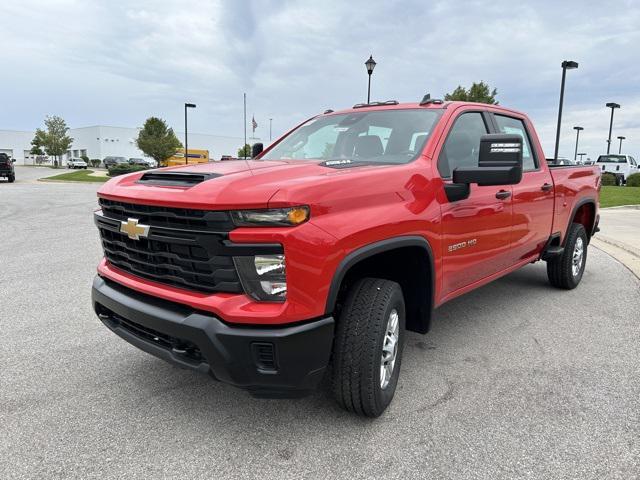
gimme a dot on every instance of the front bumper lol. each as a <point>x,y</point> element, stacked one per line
<point>272,362</point>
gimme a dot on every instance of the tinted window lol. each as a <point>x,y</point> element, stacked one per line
<point>378,136</point>
<point>612,159</point>
<point>463,143</point>
<point>515,126</point>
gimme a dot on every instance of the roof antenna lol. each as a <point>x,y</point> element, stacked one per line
<point>427,100</point>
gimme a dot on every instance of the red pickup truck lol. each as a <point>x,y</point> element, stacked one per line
<point>316,256</point>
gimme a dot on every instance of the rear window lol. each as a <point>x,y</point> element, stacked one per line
<point>612,159</point>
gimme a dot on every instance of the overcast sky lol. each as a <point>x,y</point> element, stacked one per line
<point>116,62</point>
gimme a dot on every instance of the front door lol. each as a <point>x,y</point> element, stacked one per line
<point>476,230</point>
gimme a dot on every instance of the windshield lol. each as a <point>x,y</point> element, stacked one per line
<point>382,136</point>
<point>612,159</point>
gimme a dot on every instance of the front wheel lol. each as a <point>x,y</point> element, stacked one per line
<point>368,347</point>
<point>11,178</point>
<point>566,270</point>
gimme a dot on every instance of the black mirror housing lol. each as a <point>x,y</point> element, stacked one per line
<point>499,162</point>
<point>256,149</point>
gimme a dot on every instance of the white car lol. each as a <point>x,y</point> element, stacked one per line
<point>620,165</point>
<point>76,163</point>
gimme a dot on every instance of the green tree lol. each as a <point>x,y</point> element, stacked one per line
<point>157,140</point>
<point>53,139</point>
<point>478,92</point>
<point>244,152</point>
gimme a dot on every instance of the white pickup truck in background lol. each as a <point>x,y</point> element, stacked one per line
<point>620,165</point>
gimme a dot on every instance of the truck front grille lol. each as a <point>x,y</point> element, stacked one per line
<point>184,248</point>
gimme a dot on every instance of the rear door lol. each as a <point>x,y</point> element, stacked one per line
<point>533,197</point>
<point>475,230</point>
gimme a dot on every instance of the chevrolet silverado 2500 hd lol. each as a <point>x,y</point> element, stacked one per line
<point>316,256</point>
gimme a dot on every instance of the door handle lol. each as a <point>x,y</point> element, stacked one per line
<point>546,187</point>
<point>502,194</point>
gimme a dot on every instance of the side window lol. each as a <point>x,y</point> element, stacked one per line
<point>462,146</point>
<point>516,126</point>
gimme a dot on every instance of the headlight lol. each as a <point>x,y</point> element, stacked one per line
<point>273,217</point>
<point>263,277</point>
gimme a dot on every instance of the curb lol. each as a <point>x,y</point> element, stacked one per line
<point>634,207</point>
<point>620,252</point>
<point>45,180</point>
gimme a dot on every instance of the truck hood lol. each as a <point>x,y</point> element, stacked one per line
<point>225,185</point>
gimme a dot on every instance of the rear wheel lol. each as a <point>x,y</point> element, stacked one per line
<point>566,270</point>
<point>368,347</point>
<point>11,178</point>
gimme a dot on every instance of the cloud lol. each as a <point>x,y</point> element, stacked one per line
<point>117,62</point>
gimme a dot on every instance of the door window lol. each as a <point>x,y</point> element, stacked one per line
<point>516,126</point>
<point>462,146</point>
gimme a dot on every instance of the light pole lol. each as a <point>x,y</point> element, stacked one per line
<point>620,147</point>
<point>270,125</point>
<point>612,106</point>
<point>186,140</point>
<point>577,129</point>
<point>566,65</point>
<point>370,64</point>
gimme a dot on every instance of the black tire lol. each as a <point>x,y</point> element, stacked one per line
<point>11,178</point>
<point>357,350</point>
<point>560,269</point>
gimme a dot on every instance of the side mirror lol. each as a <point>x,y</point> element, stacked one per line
<point>13,160</point>
<point>256,149</point>
<point>499,162</point>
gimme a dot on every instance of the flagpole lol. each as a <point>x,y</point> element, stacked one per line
<point>244,147</point>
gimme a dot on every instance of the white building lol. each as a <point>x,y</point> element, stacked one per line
<point>102,141</point>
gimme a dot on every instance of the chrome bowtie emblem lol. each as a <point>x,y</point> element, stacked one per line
<point>133,229</point>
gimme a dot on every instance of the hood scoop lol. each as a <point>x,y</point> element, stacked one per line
<point>176,179</point>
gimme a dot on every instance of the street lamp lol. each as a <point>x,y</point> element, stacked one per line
<point>270,125</point>
<point>577,129</point>
<point>612,106</point>
<point>186,141</point>
<point>370,64</point>
<point>566,65</point>
<point>620,148</point>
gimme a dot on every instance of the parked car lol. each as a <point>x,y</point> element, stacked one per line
<point>112,161</point>
<point>76,163</point>
<point>620,165</point>
<point>145,162</point>
<point>6,168</point>
<point>334,242</point>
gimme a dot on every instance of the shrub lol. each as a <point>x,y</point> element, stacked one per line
<point>633,180</point>
<point>123,168</point>
<point>95,162</point>
<point>608,179</point>
<point>85,158</point>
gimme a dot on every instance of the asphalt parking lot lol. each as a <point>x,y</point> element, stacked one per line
<point>516,379</point>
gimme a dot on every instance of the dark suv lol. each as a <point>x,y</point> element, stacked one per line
<point>113,161</point>
<point>6,167</point>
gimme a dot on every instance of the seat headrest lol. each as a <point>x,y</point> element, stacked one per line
<point>368,146</point>
<point>419,142</point>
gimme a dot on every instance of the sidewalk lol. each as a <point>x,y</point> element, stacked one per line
<point>619,235</point>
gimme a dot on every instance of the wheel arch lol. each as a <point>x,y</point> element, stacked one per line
<point>387,259</point>
<point>584,212</point>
